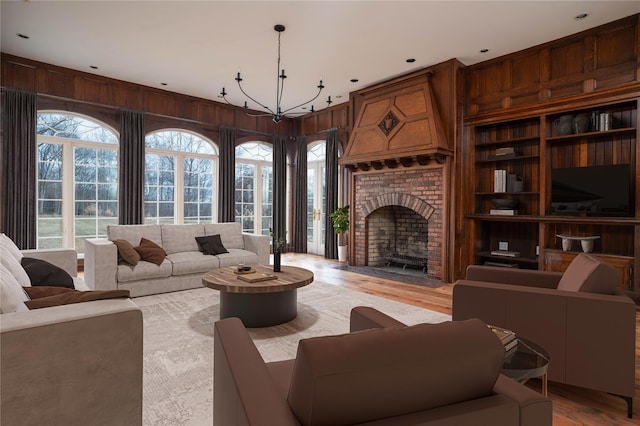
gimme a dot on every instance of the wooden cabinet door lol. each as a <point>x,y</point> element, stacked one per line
<point>558,261</point>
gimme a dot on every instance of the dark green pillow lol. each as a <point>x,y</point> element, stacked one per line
<point>41,272</point>
<point>211,244</point>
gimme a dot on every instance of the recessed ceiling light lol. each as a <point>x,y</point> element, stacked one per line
<point>22,36</point>
<point>354,80</point>
<point>484,50</point>
<point>411,60</point>
<point>582,16</point>
<point>93,67</point>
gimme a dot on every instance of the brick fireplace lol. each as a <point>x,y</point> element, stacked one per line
<point>399,214</point>
<point>400,161</point>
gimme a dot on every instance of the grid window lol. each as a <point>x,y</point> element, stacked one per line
<point>77,180</point>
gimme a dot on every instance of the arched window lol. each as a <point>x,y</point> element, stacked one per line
<point>254,187</point>
<point>180,170</point>
<point>77,179</point>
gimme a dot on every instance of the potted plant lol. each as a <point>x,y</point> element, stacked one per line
<point>340,219</point>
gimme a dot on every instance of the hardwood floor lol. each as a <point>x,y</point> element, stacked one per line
<point>571,405</point>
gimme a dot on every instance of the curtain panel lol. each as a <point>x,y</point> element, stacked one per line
<point>331,238</point>
<point>131,172</point>
<point>227,175</point>
<point>279,187</point>
<point>300,197</point>
<point>19,167</point>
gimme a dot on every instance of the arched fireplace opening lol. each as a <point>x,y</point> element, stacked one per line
<point>397,237</point>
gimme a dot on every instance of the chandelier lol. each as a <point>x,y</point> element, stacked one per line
<point>278,113</point>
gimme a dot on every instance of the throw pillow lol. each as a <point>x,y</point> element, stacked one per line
<point>13,266</point>
<point>588,274</point>
<point>75,296</point>
<point>42,272</point>
<point>127,252</point>
<point>7,244</point>
<point>12,295</point>
<point>211,244</point>
<point>151,252</point>
<point>45,291</point>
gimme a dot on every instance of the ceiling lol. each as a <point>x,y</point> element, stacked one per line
<point>197,47</point>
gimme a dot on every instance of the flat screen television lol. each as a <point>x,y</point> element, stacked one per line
<point>597,191</point>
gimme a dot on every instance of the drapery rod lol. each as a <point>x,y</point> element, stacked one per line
<point>188,120</point>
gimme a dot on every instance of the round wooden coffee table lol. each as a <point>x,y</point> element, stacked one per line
<point>259,304</point>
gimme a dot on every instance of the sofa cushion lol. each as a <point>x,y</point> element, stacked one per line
<point>211,244</point>
<point>192,262</point>
<point>8,246</point>
<point>127,252</point>
<point>589,274</point>
<point>143,271</point>
<point>75,296</point>
<point>12,295</point>
<point>42,272</point>
<point>133,233</point>
<point>375,374</point>
<point>236,256</point>
<point>179,238</point>
<point>230,233</point>
<point>16,270</point>
<point>150,251</point>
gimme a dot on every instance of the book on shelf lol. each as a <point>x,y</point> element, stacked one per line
<point>506,253</point>
<point>500,156</point>
<point>500,180</point>
<point>501,264</point>
<point>505,151</point>
<point>257,277</point>
<point>503,212</point>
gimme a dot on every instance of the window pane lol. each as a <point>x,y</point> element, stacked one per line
<point>49,227</point>
<point>85,191</point>
<point>107,174</point>
<point>74,127</point>
<point>49,190</point>
<point>179,141</point>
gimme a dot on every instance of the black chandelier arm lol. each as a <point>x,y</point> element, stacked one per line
<point>247,95</point>
<point>304,103</point>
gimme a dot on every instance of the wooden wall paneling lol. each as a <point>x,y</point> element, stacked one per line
<point>54,82</point>
<point>597,59</point>
<point>91,89</point>
<point>19,75</point>
<point>158,102</point>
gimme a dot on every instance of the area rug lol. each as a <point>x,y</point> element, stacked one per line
<point>178,343</point>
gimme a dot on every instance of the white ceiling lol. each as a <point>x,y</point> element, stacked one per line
<point>197,47</point>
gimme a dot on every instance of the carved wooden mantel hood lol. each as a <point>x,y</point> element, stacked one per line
<point>399,126</point>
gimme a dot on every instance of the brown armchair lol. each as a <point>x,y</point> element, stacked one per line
<point>589,335</point>
<point>389,375</point>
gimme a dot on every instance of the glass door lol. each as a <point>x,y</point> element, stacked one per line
<point>316,197</point>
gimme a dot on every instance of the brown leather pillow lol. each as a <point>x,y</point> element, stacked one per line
<point>45,291</point>
<point>151,252</point>
<point>588,274</point>
<point>127,252</point>
<point>75,296</point>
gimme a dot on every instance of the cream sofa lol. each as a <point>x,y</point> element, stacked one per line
<point>78,364</point>
<point>184,265</point>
